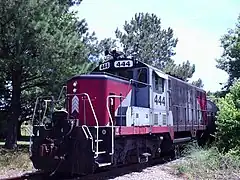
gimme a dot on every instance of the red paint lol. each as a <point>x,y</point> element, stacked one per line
<point>202,100</point>
<point>139,130</point>
<point>135,130</point>
<point>98,87</point>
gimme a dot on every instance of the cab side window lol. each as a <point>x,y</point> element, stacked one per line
<point>158,83</point>
<point>142,77</point>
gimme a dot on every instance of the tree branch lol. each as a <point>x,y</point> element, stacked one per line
<point>39,84</point>
<point>25,80</point>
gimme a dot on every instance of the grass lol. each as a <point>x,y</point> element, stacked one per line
<point>200,163</point>
<point>15,159</point>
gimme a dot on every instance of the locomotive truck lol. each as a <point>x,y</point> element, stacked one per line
<point>124,111</point>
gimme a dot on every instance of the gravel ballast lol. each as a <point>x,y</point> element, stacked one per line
<point>158,172</point>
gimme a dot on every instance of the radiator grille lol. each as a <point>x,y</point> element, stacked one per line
<point>155,119</point>
<point>164,119</point>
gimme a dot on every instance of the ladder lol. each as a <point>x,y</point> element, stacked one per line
<point>93,135</point>
<point>103,156</point>
<point>107,153</point>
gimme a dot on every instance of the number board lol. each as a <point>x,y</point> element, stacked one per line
<point>159,100</point>
<point>104,66</point>
<point>123,64</point>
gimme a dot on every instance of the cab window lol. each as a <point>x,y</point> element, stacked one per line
<point>158,83</point>
<point>128,74</point>
<point>142,77</point>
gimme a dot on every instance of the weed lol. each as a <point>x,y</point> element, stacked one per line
<point>201,163</point>
<point>18,159</point>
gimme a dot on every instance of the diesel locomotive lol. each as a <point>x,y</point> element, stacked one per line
<point>124,111</point>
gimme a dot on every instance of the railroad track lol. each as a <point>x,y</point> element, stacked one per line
<point>120,171</point>
<point>99,175</point>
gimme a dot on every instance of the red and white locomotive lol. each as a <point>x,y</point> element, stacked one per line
<point>124,111</point>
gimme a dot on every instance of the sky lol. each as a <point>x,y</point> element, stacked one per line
<point>198,25</point>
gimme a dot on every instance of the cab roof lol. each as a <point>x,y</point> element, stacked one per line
<point>138,64</point>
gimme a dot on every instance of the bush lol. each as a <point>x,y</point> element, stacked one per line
<point>200,163</point>
<point>228,121</point>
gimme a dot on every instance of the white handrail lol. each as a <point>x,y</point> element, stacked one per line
<point>35,108</point>
<point>61,92</point>
<point>36,103</point>
<point>34,113</point>
<point>110,116</point>
<point>95,117</point>
<point>91,137</point>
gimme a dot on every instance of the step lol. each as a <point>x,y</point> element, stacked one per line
<point>143,158</point>
<point>146,154</point>
<point>100,152</point>
<point>103,164</point>
<point>99,140</point>
<point>181,140</point>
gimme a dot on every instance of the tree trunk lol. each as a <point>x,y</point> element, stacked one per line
<point>11,140</point>
<point>19,136</point>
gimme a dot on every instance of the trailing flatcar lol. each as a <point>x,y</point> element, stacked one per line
<point>125,111</point>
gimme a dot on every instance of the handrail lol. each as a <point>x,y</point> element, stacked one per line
<point>34,113</point>
<point>95,117</point>
<point>35,108</point>
<point>140,82</point>
<point>132,80</point>
<point>45,111</point>
<point>91,137</point>
<point>61,92</point>
<point>86,94</point>
<point>111,120</point>
<point>36,103</point>
<point>32,132</point>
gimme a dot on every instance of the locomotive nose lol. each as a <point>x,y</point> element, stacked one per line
<point>91,97</point>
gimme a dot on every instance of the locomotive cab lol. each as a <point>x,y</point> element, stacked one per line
<point>149,96</point>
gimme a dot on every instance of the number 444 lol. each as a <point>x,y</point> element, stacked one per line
<point>159,100</point>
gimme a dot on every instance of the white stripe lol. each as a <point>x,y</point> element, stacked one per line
<point>75,104</point>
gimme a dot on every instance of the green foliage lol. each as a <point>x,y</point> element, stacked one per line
<point>182,71</point>
<point>41,41</point>
<point>228,120</point>
<point>51,44</point>
<point>201,163</point>
<point>217,94</point>
<point>145,40</point>
<point>41,45</point>
<point>198,83</point>
<point>97,50</point>
<point>230,59</point>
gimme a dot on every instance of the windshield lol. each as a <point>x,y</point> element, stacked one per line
<point>127,74</point>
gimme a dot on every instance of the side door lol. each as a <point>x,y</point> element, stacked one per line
<point>142,88</point>
<point>159,98</point>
